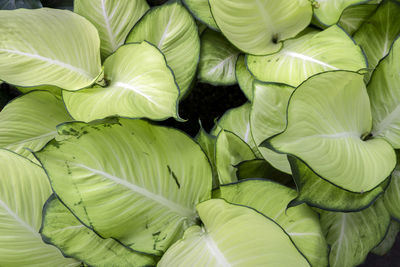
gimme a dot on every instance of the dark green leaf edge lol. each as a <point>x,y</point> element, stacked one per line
<point>150,10</point>
<point>296,202</point>
<point>178,118</point>
<point>107,121</point>
<point>267,143</point>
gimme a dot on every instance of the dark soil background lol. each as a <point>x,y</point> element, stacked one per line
<point>207,103</point>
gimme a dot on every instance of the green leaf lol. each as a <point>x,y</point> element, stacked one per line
<point>113,19</point>
<point>237,121</point>
<point>244,77</point>
<point>29,122</point>
<point>14,4</point>
<point>328,12</point>
<point>354,16</point>
<point>259,26</point>
<point>392,194</point>
<point>134,90</point>
<point>378,33</point>
<point>24,189</point>
<point>301,223</point>
<point>60,49</point>
<point>129,180</point>
<point>61,229</point>
<point>233,236</point>
<point>201,11</point>
<point>309,54</point>
<point>388,242</point>
<point>259,168</point>
<point>217,59</point>
<point>384,93</point>
<point>268,118</point>
<point>328,118</point>
<point>352,235</point>
<point>230,150</point>
<point>319,193</point>
<point>207,143</point>
<point>173,30</point>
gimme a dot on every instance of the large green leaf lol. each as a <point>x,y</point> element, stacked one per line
<point>328,12</point>
<point>387,243</point>
<point>309,54</point>
<point>230,150</point>
<point>268,118</point>
<point>392,194</point>
<point>377,34</point>
<point>29,122</point>
<point>217,59</point>
<point>354,16</point>
<point>201,10</point>
<point>384,93</point>
<point>146,90</point>
<point>113,19</point>
<point>328,120</point>
<point>317,192</point>
<point>233,236</point>
<point>237,121</point>
<point>24,189</point>
<point>129,179</point>
<point>244,78</point>
<point>272,199</point>
<point>48,46</point>
<point>352,235</point>
<point>259,26</point>
<point>173,30</point>
<point>61,229</point>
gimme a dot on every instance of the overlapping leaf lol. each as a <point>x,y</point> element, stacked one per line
<point>268,118</point>
<point>233,236</point>
<point>201,10</point>
<point>377,34</point>
<point>384,93</point>
<point>259,26</point>
<point>230,150</point>
<point>62,229</point>
<point>329,117</point>
<point>217,59</point>
<point>29,122</point>
<point>134,90</point>
<point>354,16</point>
<point>60,48</point>
<point>352,235</point>
<point>328,11</point>
<point>129,180</point>
<point>113,19</point>
<point>272,199</point>
<point>322,194</point>
<point>244,77</point>
<point>173,30</point>
<point>309,54</point>
<point>24,190</point>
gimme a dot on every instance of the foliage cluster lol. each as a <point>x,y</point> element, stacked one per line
<point>306,173</point>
